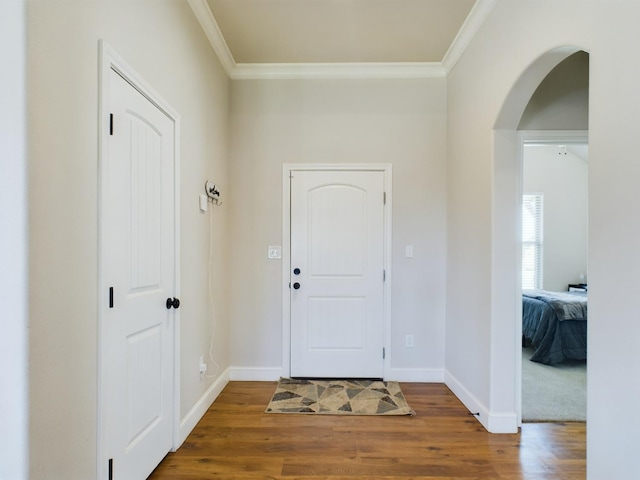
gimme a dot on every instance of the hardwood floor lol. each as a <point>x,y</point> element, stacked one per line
<point>236,440</point>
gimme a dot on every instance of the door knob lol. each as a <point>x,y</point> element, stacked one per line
<point>296,285</point>
<point>173,302</point>
<point>296,271</point>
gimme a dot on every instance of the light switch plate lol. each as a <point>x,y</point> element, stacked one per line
<point>408,341</point>
<point>408,251</point>
<point>275,251</point>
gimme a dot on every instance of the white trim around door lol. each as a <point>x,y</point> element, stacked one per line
<point>524,138</point>
<point>110,61</point>
<point>287,170</point>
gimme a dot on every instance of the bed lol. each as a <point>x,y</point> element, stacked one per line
<point>555,325</point>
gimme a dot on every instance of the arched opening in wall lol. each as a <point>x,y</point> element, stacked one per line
<point>554,224</point>
<point>542,142</point>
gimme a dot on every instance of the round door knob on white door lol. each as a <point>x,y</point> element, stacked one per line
<point>173,302</point>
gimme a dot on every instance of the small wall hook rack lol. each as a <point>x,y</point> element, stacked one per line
<point>213,194</point>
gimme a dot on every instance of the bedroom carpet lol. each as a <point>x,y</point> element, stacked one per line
<point>338,397</point>
<point>553,393</point>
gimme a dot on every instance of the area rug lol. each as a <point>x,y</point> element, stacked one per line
<point>339,397</point>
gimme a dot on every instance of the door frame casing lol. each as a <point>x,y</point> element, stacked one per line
<point>524,138</point>
<point>109,61</point>
<point>287,170</point>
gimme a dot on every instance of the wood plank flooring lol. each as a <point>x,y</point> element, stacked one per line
<point>236,440</point>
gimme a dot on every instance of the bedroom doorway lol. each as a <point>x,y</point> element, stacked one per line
<point>553,166</point>
<point>506,209</point>
<point>555,259</point>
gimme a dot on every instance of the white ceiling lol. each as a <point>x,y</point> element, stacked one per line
<point>320,38</point>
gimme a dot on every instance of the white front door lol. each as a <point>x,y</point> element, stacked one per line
<point>138,268</point>
<point>337,268</point>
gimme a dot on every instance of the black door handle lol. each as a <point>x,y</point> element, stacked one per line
<point>296,285</point>
<point>173,302</point>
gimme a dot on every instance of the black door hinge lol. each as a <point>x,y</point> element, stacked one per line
<point>383,353</point>
<point>111,469</point>
<point>110,297</point>
<point>111,124</point>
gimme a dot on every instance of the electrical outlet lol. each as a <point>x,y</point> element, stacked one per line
<point>203,366</point>
<point>408,341</point>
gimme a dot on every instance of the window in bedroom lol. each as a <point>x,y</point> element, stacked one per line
<point>532,241</point>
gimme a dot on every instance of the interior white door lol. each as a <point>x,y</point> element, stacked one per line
<point>337,269</point>
<point>139,266</point>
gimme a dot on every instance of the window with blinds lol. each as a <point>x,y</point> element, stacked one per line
<point>532,241</point>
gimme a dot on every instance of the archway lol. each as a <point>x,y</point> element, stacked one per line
<point>506,365</point>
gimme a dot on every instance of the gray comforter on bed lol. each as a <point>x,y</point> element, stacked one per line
<point>554,337</point>
<point>568,306</point>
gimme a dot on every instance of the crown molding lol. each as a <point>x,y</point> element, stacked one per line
<point>212,31</point>
<point>336,70</point>
<point>478,14</point>
<point>472,24</point>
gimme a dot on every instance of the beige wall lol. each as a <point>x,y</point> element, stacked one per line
<point>489,88</point>
<point>401,122</point>
<point>163,42</point>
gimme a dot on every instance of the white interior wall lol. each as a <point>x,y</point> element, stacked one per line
<point>14,400</point>
<point>401,122</point>
<point>164,43</point>
<point>562,177</point>
<point>525,33</point>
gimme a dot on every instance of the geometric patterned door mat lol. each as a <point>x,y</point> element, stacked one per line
<point>339,397</point>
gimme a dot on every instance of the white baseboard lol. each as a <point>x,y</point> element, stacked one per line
<point>493,422</point>
<point>271,374</point>
<point>506,422</point>
<point>190,420</point>
<point>415,375</point>
<point>472,403</point>
<point>255,374</point>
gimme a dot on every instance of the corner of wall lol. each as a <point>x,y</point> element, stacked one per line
<point>493,422</point>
